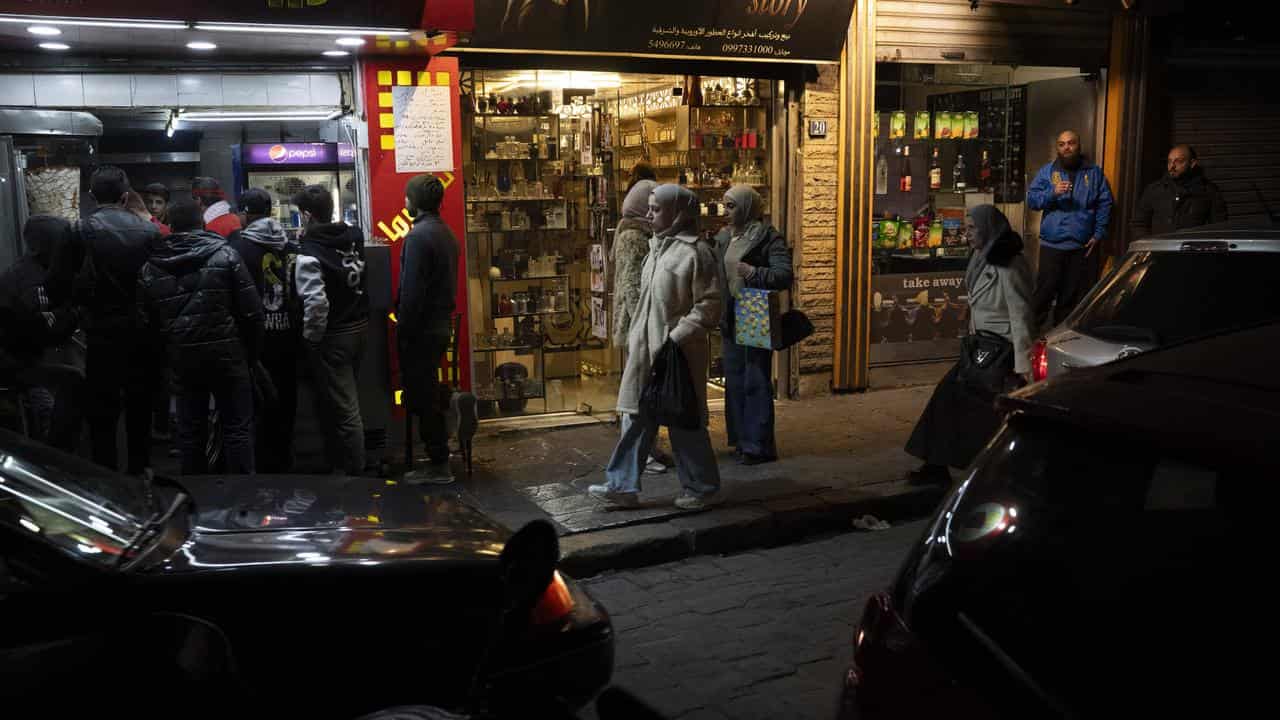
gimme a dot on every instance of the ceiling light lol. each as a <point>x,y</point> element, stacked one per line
<point>201,45</point>
<point>45,30</point>
<point>350,41</point>
<point>336,53</point>
<point>299,29</point>
<point>106,22</point>
<point>55,46</point>
<point>255,115</point>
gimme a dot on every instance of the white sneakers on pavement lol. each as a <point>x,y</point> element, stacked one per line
<point>689,501</point>
<point>613,498</point>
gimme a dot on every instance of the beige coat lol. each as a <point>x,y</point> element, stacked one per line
<point>680,299</point>
<point>1000,301</point>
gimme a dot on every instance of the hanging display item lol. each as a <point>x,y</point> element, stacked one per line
<point>922,125</point>
<point>898,125</point>
<point>942,125</point>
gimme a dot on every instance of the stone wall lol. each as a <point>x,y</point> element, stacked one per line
<point>815,279</point>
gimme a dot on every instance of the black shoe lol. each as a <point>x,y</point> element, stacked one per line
<point>929,474</point>
<point>749,459</point>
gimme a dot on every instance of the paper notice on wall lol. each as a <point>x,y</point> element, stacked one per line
<point>423,128</point>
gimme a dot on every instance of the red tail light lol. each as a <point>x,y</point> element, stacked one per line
<point>556,602</point>
<point>1039,361</point>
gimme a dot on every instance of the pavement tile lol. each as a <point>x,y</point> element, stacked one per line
<point>671,652</point>
<point>759,668</point>
<point>674,702</point>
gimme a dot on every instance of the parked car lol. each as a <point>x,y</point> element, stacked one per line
<point>1102,559</point>
<point>291,595</point>
<point>1166,289</point>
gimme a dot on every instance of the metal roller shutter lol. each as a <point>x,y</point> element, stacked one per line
<point>1050,34</point>
<point>1238,141</point>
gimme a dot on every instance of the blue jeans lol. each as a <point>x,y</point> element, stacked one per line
<point>695,461</point>
<point>748,398</point>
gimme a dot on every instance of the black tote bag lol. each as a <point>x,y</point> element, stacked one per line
<point>986,361</point>
<point>669,395</point>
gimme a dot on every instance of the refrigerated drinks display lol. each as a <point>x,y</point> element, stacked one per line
<point>282,169</point>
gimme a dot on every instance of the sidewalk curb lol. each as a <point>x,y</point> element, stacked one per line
<point>735,528</point>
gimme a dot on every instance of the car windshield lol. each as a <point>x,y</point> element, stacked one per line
<point>78,506</point>
<point>1065,542</point>
<point>1166,297</point>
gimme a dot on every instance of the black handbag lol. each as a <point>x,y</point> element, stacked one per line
<point>796,326</point>
<point>986,361</point>
<point>669,395</point>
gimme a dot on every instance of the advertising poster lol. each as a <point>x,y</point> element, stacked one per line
<point>918,307</point>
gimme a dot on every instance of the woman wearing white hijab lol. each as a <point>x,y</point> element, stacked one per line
<point>679,301</point>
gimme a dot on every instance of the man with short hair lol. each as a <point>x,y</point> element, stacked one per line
<point>1076,200</point>
<point>197,294</point>
<point>1183,198</point>
<point>97,270</point>
<point>332,289</point>
<point>156,197</point>
<point>218,218</point>
<point>424,313</point>
<point>270,257</point>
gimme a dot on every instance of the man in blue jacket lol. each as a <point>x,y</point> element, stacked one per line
<point>1076,200</point>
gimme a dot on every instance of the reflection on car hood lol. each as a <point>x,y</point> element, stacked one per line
<point>309,520</point>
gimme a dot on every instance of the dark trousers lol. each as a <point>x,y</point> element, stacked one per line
<point>68,415</point>
<point>335,367</point>
<point>120,374</point>
<point>273,445</point>
<point>424,395</point>
<point>233,394</point>
<point>1062,280</point>
<point>748,397</point>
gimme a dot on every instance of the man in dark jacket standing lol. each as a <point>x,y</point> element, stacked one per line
<point>270,257</point>
<point>1076,199</point>
<point>332,289</point>
<point>197,293</point>
<point>32,325</point>
<point>1183,198</point>
<point>97,270</point>
<point>424,310</point>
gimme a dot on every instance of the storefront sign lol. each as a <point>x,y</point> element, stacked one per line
<point>918,307</point>
<point>770,30</point>
<point>817,128</point>
<point>383,81</point>
<point>298,154</point>
<point>405,14</point>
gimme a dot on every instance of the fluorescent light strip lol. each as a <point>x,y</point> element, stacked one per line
<point>298,29</point>
<point>254,118</point>
<point>106,22</point>
<point>247,113</point>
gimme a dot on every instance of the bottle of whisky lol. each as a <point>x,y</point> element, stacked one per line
<point>958,174</point>
<point>984,172</point>
<point>935,172</point>
<point>904,176</point>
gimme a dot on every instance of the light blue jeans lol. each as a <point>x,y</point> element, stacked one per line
<point>695,460</point>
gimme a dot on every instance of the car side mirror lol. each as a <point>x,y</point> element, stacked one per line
<point>527,563</point>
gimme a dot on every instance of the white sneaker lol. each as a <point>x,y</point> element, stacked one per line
<point>613,498</point>
<point>689,501</point>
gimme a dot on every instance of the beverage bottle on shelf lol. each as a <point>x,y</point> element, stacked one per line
<point>984,172</point>
<point>882,175</point>
<point>904,177</point>
<point>935,172</point>
<point>958,174</point>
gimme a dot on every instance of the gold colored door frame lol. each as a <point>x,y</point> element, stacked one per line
<point>856,180</point>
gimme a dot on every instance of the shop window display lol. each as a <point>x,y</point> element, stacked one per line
<point>548,156</point>
<point>947,139</point>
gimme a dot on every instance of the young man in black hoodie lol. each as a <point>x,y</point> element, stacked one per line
<point>96,269</point>
<point>270,257</point>
<point>424,311</point>
<point>332,289</point>
<point>31,325</point>
<point>197,293</point>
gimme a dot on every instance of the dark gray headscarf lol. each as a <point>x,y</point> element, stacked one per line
<point>992,233</point>
<point>636,204</point>
<point>684,203</point>
<point>748,205</point>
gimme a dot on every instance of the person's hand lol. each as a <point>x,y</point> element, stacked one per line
<point>745,270</point>
<point>1088,247</point>
<point>1062,187</point>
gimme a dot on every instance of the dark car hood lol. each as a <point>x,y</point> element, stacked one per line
<point>326,519</point>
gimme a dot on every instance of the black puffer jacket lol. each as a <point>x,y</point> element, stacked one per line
<point>1168,205</point>
<point>118,242</point>
<point>197,293</point>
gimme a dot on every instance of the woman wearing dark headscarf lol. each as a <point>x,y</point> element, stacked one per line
<point>679,301</point>
<point>752,254</point>
<point>630,246</point>
<point>960,419</point>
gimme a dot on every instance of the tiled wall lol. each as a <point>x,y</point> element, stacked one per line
<point>815,281</point>
<point>75,90</point>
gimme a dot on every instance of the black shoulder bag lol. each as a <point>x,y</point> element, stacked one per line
<point>986,361</point>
